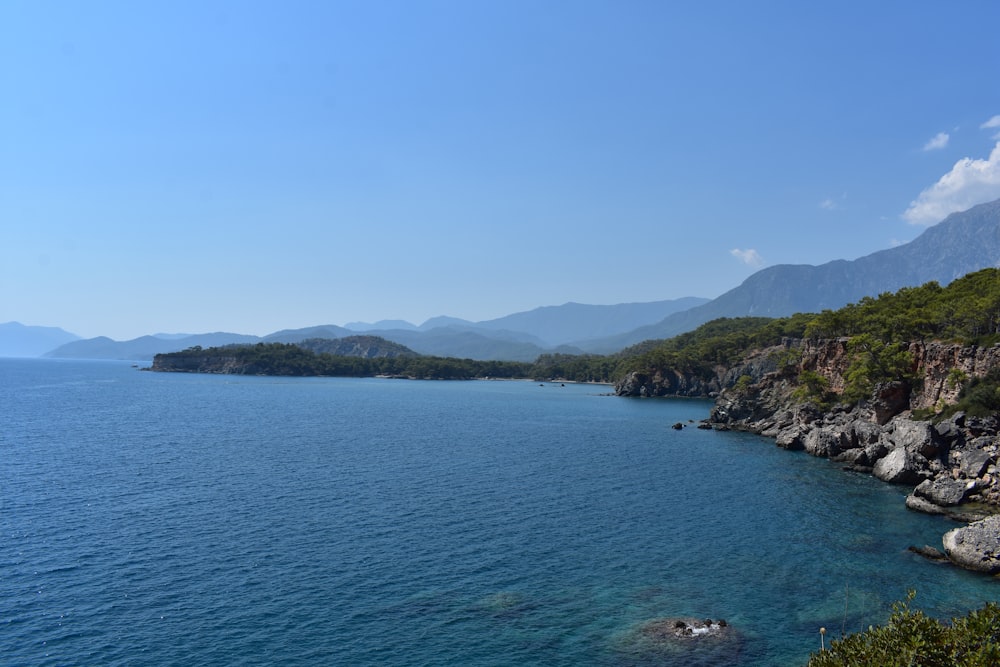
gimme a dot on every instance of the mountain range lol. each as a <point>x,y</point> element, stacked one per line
<point>962,243</point>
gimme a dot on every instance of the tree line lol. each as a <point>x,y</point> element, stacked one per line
<point>878,328</point>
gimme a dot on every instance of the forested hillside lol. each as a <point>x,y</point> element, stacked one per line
<point>879,331</point>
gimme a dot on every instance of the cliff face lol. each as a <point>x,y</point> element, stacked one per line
<point>773,376</point>
<point>757,365</point>
<point>951,466</point>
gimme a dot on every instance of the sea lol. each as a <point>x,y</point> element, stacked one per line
<point>179,519</point>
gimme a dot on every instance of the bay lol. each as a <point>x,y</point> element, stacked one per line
<point>153,518</point>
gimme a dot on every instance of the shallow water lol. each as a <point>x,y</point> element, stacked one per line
<point>195,519</point>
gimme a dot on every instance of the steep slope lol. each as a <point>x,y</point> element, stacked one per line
<point>962,243</point>
<point>366,347</point>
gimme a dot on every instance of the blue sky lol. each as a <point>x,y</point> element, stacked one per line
<point>252,166</point>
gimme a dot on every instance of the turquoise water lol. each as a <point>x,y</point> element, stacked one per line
<point>164,519</point>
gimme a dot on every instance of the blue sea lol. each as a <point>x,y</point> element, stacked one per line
<point>173,519</point>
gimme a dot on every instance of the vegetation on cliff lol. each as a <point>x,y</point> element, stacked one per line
<point>878,332</point>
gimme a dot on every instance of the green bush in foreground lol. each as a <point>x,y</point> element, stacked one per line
<point>911,639</point>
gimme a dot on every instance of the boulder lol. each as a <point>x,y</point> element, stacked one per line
<point>948,432</point>
<point>899,467</point>
<point>856,456</point>
<point>917,437</point>
<point>790,438</point>
<point>864,432</point>
<point>975,462</point>
<point>943,492</point>
<point>876,451</point>
<point>889,400</point>
<point>918,504</point>
<point>976,546</point>
<point>826,442</point>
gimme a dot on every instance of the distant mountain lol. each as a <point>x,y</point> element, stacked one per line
<point>444,321</point>
<point>557,325</point>
<point>960,244</point>
<point>468,344</point>
<point>381,325</point>
<point>20,340</point>
<point>143,348</point>
<point>298,335</point>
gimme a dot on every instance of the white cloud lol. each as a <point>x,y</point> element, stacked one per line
<point>991,123</point>
<point>750,257</point>
<point>940,140</point>
<point>831,204</point>
<point>969,182</point>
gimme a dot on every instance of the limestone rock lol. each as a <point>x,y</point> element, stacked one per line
<point>928,552</point>
<point>790,438</point>
<point>856,456</point>
<point>948,432</point>
<point>975,462</point>
<point>825,442</point>
<point>943,492</point>
<point>899,467</point>
<point>890,399</point>
<point>864,432</point>
<point>918,504</point>
<point>917,437</point>
<point>976,546</point>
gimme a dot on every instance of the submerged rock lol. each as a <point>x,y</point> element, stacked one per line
<point>918,504</point>
<point>683,641</point>
<point>929,552</point>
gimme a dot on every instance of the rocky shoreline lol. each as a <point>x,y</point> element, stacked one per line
<point>951,466</point>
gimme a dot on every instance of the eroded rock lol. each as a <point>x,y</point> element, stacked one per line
<point>944,492</point>
<point>976,546</point>
<point>900,467</point>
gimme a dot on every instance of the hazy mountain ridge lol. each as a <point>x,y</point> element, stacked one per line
<point>962,243</point>
<point>22,340</point>
<point>144,347</point>
<point>438,336</point>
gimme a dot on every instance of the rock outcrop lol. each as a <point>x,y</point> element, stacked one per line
<point>976,546</point>
<point>682,641</point>
<point>951,464</point>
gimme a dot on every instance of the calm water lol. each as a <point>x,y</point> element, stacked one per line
<point>210,520</point>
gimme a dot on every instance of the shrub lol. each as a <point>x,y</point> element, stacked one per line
<point>912,638</point>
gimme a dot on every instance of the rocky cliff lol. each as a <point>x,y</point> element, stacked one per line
<point>951,465</point>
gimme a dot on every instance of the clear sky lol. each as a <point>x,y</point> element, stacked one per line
<point>174,166</point>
